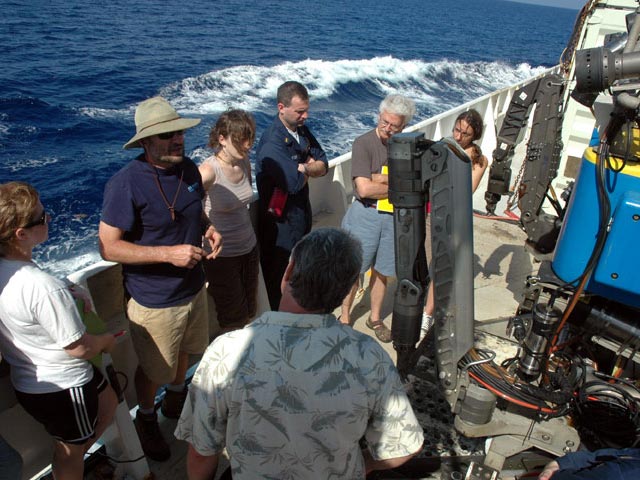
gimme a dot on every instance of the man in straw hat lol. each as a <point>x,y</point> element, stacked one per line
<point>152,222</point>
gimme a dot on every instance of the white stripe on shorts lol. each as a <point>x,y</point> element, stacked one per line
<point>82,416</point>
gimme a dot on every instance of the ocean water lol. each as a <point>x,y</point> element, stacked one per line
<point>73,72</point>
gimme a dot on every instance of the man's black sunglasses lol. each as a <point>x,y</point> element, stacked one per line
<point>170,135</point>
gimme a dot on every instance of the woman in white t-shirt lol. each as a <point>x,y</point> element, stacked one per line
<point>233,275</point>
<point>44,339</point>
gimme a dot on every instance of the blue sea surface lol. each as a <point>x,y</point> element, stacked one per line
<point>73,72</point>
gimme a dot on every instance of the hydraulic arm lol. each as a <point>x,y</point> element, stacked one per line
<point>421,169</point>
<point>540,166</point>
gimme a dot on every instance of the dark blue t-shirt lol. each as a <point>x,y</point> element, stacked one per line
<point>134,203</point>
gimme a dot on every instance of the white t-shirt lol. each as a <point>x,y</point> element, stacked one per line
<point>38,318</point>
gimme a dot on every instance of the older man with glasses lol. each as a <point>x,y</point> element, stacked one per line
<point>372,225</point>
<point>153,223</point>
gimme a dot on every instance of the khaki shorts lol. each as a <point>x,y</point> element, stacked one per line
<point>159,334</point>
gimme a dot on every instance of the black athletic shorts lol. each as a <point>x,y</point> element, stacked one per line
<point>68,415</point>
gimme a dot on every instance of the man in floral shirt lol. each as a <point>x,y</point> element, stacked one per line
<point>291,395</point>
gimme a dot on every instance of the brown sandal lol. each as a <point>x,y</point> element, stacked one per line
<point>380,329</point>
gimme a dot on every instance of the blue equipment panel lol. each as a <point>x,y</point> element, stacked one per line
<point>617,272</point>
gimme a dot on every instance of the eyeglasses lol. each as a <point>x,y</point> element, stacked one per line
<point>41,220</point>
<point>390,126</point>
<point>170,135</point>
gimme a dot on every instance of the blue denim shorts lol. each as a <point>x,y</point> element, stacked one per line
<point>375,231</point>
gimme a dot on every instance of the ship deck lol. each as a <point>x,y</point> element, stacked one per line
<point>501,266</point>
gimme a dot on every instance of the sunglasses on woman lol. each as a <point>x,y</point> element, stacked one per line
<point>41,220</point>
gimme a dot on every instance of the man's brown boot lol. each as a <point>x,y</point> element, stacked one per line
<point>153,444</point>
<point>173,402</point>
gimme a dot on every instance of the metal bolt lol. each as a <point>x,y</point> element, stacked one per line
<point>614,276</point>
<point>636,217</point>
<point>570,443</point>
<point>546,437</point>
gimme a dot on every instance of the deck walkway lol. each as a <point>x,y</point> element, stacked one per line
<point>501,266</point>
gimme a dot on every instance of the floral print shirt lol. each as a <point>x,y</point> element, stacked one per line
<point>290,396</point>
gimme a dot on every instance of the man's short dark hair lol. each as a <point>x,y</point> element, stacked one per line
<point>291,89</point>
<point>326,264</point>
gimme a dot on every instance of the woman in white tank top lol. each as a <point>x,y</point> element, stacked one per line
<point>233,275</point>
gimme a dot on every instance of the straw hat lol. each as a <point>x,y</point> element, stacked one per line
<point>154,116</point>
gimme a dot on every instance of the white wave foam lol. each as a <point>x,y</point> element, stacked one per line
<point>62,267</point>
<point>17,165</point>
<point>199,154</point>
<point>253,87</point>
<point>346,127</point>
<point>73,244</point>
<point>4,124</point>
<point>95,112</point>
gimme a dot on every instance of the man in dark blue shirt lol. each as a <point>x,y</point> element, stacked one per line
<point>152,222</point>
<point>287,155</point>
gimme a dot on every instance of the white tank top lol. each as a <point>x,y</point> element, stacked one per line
<point>225,204</point>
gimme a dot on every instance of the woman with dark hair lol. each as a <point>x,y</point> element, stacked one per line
<point>467,128</point>
<point>233,275</point>
<point>43,338</point>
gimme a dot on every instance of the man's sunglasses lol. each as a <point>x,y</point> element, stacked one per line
<point>41,220</point>
<point>170,135</point>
